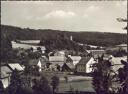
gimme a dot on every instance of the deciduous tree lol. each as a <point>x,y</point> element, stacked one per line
<point>55,83</point>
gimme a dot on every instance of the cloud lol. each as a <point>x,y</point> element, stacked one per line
<point>91,10</point>
<point>60,14</point>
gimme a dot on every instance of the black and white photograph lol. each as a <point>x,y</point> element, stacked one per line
<point>64,47</point>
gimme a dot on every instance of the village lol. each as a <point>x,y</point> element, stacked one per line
<point>64,47</point>
<point>62,63</point>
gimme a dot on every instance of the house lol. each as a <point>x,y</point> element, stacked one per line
<point>42,63</point>
<point>116,62</point>
<point>57,60</point>
<point>58,53</point>
<point>93,46</point>
<point>96,52</point>
<point>68,66</point>
<point>6,71</point>
<point>62,61</point>
<point>16,66</point>
<point>84,65</point>
<point>75,59</point>
<point>35,48</point>
<point>5,75</point>
<point>122,46</point>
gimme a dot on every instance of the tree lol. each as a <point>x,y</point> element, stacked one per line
<point>15,83</point>
<point>123,77</point>
<point>39,49</point>
<point>27,70</point>
<point>122,20</point>
<point>41,86</point>
<point>5,46</point>
<point>55,83</point>
<point>102,77</point>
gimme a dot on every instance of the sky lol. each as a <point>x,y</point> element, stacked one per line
<point>75,16</point>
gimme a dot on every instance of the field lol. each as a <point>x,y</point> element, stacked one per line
<point>84,85</point>
<point>79,83</point>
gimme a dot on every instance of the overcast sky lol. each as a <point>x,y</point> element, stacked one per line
<point>65,15</point>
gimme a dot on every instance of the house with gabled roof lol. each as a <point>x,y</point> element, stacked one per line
<point>75,59</point>
<point>16,66</point>
<point>116,62</point>
<point>84,65</point>
<point>68,66</point>
<point>6,71</point>
<point>122,46</point>
<point>5,75</point>
<point>41,62</point>
<point>57,60</point>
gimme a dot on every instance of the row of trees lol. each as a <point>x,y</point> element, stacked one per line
<point>117,53</point>
<point>20,84</point>
<point>106,81</point>
<point>21,56</point>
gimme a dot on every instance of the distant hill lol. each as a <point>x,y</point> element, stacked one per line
<point>92,38</point>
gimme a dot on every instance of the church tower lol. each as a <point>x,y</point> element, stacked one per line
<point>71,38</point>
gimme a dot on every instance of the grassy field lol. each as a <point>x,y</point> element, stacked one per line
<point>80,83</point>
<point>84,85</point>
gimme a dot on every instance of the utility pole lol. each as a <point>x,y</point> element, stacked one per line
<point>126,28</point>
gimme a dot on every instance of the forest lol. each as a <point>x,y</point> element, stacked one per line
<point>87,37</point>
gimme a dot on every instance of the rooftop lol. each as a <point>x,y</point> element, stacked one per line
<point>122,45</point>
<point>15,66</point>
<point>84,60</point>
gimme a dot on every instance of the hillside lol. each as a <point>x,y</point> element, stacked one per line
<point>94,38</point>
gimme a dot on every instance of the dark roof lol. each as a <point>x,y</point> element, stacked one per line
<point>68,59</point>
<point>84,60</point>
<point>70,65</point>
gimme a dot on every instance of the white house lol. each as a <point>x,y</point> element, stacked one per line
<point>41,63</point>
<point>122,46</point>
<point>60,60</point>
<point>89,65</point>
<point>6,71</point>
<point>116,62</point>
<point>96,52</point>
<point>75,59</point>
<point>5,75</point>
<point>84,65</point>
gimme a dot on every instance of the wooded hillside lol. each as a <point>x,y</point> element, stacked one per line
<point>87,37</point>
